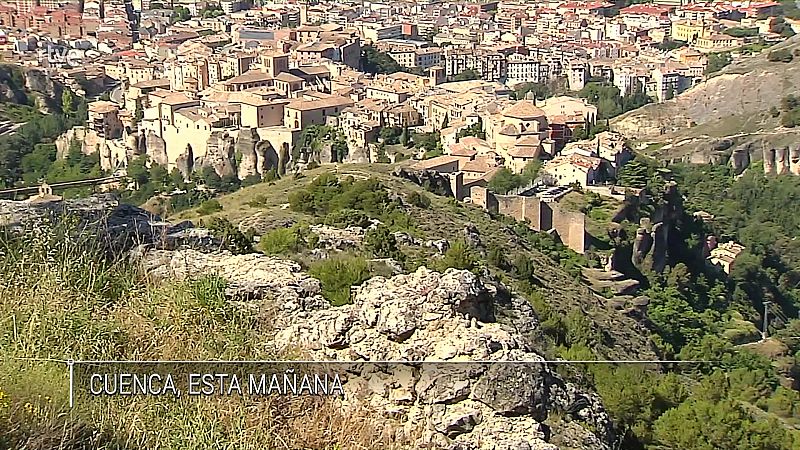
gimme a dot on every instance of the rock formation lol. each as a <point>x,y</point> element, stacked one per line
<point>429,179</point>
<point>246,144</point>
<point>642,243</point>
<point>357,154</point>
<point>781,160</point>
<point>250,277</point>
<point>740,157</point>
<point>185,162</point>
<point>651,244</point>
<point>220,155</point>
<point>429,316</point>
<point>794,161</point>
<point>156,149</point>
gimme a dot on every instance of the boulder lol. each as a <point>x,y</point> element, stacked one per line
<point>251,278</point>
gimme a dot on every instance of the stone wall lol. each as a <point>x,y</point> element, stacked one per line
<point>542,216</point>
<point>571,227</point>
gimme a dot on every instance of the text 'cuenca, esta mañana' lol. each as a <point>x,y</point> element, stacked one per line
<point>207,384</point>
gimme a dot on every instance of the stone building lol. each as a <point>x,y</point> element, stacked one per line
<point>724,255</point>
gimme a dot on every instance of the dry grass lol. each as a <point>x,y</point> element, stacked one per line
<point>63,298</point>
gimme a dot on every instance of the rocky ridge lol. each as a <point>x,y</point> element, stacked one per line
<point>478,403</point>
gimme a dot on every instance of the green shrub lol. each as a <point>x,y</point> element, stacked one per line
<point>279,242</point>
<point>209,292</point>
<point>458,256</point>
<point>580,330</point>
<point>419,200</point>
<point>209,207</point>
<point>781,55</point>
<point>496,257</point>
<point>381,243</point>
<point>232,238</point>
<point>522,267</point>
<point>347,218</point>
<point>338,274</point>
<point>258,201</point>
<point>285,241</point>
<point>251,180</point>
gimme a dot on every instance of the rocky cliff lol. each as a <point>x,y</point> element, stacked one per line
<point>23,85</point>
<point>749,86</point>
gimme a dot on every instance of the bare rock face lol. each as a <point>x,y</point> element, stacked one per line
<point>651,245</point>
<point>268,158</point>
<point>430,179</point>
<point>115,224</point>
<point>246,143</point>
<point>331,238</point>
<point>357,154</point>
<point>740,157</point>
<point>641,245</point>
<point>429,316</point>
<point>794,160</point>
<point>156,149</point>
<point>781,160</point>
<point>220,155</point>
<point>185,162</point>
<point>250,277</point>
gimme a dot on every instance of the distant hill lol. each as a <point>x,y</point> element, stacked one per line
<point>735,104</point>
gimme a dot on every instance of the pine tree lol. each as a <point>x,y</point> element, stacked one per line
<point>404,137</point>
<point>67,103</point>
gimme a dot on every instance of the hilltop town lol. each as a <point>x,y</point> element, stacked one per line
<point>470,88</point>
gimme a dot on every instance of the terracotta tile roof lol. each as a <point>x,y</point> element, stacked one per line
<point>523,109</point>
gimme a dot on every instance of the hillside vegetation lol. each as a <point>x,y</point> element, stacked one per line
<point>66,297</point>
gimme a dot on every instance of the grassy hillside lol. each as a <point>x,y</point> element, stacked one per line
<point>556,273</point>
<point>63,297</point>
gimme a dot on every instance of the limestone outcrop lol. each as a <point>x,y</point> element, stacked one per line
<point>780,161</point>
<point>430,179</point>
<point>251,277</point>
<point>430,316</point>
<point>651,244</point>
<point>220,155</point>
<point>246,144</point>
<point>156,149</point>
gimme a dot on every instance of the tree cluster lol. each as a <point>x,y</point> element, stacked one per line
<point>608,100</point>
<point>790,111</point>
<point>467,75</point>
<point>716,61</point>
<point>349,202</point>
<point>33,143</point>
<point>376,61</point>
<point>505,181</point>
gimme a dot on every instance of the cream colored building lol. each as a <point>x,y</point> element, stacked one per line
<point>574,169</point>
<point>302,113</point>
<point>724,255</point>
<point>519,133</point>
